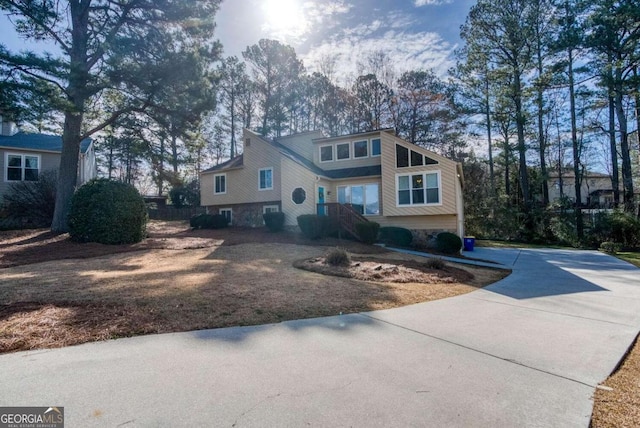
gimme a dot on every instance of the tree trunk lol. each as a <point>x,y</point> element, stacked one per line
<point>576,151</point>
<point>522,148</point>
<point>615,173</point>
<point>492,179</point>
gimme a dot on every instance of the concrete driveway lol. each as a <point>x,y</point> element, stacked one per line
<point>526,351</point>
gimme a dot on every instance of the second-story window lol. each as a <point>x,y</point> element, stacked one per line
<point>326,153</point>
<point>360,149</point>
<point>342,151</point>
<point>266,179</point>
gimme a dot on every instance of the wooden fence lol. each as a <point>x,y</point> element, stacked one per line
<point>171,213</point>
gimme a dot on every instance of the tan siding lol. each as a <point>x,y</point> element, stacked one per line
<point>301,143</point>
<point>435,222</point>
<point>448,177</point>
<point>242,184</point>
<point>295,175</point>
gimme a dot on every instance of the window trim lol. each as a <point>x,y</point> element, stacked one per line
<point>348,147</point>
<point>353,148</point>
<point>22,165</point>
<point>331,146</point>
<point>424,176</point>
<point>261,189</point>
<point>229,210</point>
<point>215,176</point>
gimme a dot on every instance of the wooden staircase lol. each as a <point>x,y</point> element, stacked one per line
<point>346,215</point>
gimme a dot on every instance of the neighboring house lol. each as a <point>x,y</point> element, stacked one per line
<point>375,175</point>
<point>24,156</point>
<point>596,190</point>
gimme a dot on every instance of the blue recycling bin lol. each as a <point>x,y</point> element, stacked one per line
<point>469,242</point>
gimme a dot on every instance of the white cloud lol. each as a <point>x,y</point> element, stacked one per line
<point>419,3</point>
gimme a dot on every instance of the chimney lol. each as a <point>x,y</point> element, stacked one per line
<point>9,128</point>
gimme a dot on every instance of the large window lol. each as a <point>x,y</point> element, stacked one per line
<point>360,149</point>
<point>365,198</point>
<point>21,167</point>
<point>419,189</point>
<point>404,155</point>
<point>375,147</point>
<point>326,153</point>
<point>342,151</point>
<point>266,179</point>
<point>220,184</point>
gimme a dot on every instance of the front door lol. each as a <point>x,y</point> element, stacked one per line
<point>322,210</point>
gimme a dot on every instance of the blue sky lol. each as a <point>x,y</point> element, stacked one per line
<point>413,33</point>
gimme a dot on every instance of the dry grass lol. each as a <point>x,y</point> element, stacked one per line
<point>181,280</point>
<point>617,400</point>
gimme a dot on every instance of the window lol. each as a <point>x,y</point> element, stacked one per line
<point>375,147</point>
<point>270,209</point>
<point>298,196</point>
<point>266,179</point>
<point>364,198</point>
<point>22,167</point>
<point>416,159</point>
<point>360,149</point>
<point>342,151</point>
<point>419,189</point>
<point>228,213</point>
<point>402,156</point>
<point>220,184</point>
<point>326,153</point>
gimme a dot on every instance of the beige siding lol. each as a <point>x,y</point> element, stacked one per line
<point>48,161</point>
<point>435,222</point>
<point>294,176</point>
<point>242,183</point>
<point>448,179</point>
<point>300,143</point>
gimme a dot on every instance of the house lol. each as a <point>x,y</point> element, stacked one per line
<point>24,156</point>
<point>375,176</point>
<point>596,190</point>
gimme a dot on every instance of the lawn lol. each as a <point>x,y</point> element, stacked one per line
<point>59,293</point>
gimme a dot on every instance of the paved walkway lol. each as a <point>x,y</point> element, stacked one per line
<point>527,351</point>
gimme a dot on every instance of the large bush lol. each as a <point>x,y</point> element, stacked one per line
<point>274,221</point>
<point>448,243</point>
<point>618,227</point>
<point>316,226</point>
<point>368,231</point>
<point>396,236</point>
<point>109,212</point>
<point>31,203</point>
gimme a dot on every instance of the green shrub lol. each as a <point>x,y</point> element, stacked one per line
<point>208,221</point>
<point>31,203</point>
<point>108,212</point>
<point>435,263</point>
<point>274,221</point>
<point>337,257</point>
<point>610,247</point>
<point>448,243</point>
<point>396,236</point>
<point>316,226</point>
<point>368,231</point>
<point>618,227</point>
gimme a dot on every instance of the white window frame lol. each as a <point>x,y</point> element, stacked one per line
<point>260,183</point>
<point>22,165</point>
<point>353,148</point>
<point>371,147</point>
<point>424,174</point>
<point>215,177</point>
<point>221,211</point>
<point>364,195</point>
<point>332,153</point>
<point>273,208</point>
<point>348,147</point>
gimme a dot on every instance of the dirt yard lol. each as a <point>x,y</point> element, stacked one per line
<point>55,292</point>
